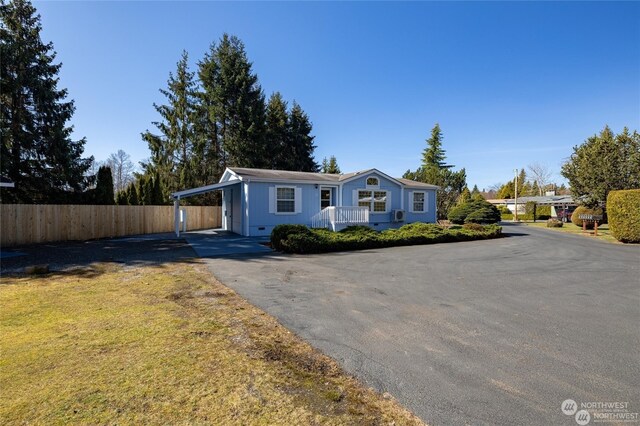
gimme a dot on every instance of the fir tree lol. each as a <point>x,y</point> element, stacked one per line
<point>435,171</point>
<point>300,140</point>
<point>278,141</point>
<point>103,193</point>
<point>171,150</point>
<point>132,195</point>
<point>37,152</point>
<point>330,166</point>
<point>241,106</point>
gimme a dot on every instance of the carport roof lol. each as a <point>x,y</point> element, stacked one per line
<point>203,189</point>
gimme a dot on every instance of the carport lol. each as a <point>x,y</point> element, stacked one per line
<point>232,204</point>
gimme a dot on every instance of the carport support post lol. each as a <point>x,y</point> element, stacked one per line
<point>176,216</point>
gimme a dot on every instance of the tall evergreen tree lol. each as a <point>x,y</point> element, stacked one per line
<point>301,141</point>
<point>436,171</point>
<point>241,106</point>
<point>171,151</point>
<point>37,152</point>
<point>278,140</point>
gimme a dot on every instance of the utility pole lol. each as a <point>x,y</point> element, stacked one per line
<point>515,213</point>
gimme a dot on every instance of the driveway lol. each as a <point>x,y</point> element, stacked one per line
<point>485,332</point>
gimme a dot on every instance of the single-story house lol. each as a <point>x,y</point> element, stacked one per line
<point>562,206</point>
<point>254,201</point>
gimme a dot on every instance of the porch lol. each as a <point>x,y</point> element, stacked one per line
<point>337,218</point>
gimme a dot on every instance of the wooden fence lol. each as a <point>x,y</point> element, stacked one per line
<point>39,223</point>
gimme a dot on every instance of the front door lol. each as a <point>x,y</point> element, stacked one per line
<point>326,197</point>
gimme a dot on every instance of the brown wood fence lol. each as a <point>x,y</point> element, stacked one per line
<point>39,223</point>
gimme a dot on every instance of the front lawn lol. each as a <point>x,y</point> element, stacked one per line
<point>163,344</point>
<point>300,239</point>
<point>604,234</point>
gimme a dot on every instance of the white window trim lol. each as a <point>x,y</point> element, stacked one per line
<point>275,207</point>
<point>387,203</point>
<point>425,205</point>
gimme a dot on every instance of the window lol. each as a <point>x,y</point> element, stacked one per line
<point>380,201</point>
<point>373,181</point>
<point>285,199</point>
<point>418,202</point>
<point>376,201</point>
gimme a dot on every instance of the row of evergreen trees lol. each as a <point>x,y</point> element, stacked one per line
<point>214,118</point>
<point>218,117</point>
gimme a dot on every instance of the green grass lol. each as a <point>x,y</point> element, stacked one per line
<point>163,345</point>
<point>603,230</point>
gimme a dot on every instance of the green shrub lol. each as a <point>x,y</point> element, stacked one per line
<point>623,208</point>
<point>483,215</point>
<point>505,216</point>
<point>575,217</point>
<point>480,211</point>
<point>554,223</point>
<point>300,239</point>
<point>473,226</point>
<point>503,210</point>
<point>282,232</point>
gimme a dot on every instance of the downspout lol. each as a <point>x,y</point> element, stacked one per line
<point>176,216</point>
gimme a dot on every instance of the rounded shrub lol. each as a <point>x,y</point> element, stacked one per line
<point>473,226</point>
<point>623,209</point>
<point>480,211</point>
<point>554,223</point>
<point>575,217</point>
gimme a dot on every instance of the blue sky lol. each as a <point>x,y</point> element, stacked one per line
<point>511,83</point>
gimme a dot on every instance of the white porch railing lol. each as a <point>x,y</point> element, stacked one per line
<point>336,218</point>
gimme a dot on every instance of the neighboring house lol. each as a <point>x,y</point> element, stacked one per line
<point>562,206</point>
<point>254,201</point>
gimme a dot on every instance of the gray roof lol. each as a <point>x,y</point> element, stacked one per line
<point>545,199</point>
<point>284,175</point>
<point>315,177</point>
<point>413,184</point>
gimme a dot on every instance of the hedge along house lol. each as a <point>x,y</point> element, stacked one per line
<point>254,201</point>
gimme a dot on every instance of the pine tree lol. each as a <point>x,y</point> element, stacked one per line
<point>241,112</point>
<point>132,195</point>
<point>171,151</point>
<point>103,193</point>
<point>278,141</point>
<point>37,152</point>
<point>301,140</point>
<point>434,170</point>
<point>433,155</point>
<point>121,198</point>
<point>330,166</point>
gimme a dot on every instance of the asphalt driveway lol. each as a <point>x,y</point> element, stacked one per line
<point>486,332</point>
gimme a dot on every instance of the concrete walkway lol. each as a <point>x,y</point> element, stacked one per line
<point>220,243</point>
